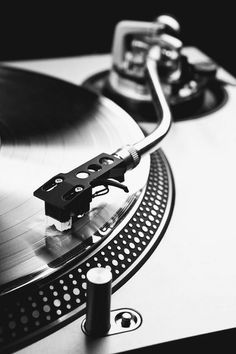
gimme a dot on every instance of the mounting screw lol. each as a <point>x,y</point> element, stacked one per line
<point>58,180</point>
<point>78,189</point>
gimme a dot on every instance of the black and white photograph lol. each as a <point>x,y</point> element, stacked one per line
<point>117,177</point>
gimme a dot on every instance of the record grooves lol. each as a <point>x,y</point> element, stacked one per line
<point>87,194</point>
<point>25,315</point>
<point>51,125</point>
<point>48,125</point>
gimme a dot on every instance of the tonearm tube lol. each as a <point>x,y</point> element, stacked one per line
<point>69,194</point>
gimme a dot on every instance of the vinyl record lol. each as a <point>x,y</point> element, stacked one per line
<point>49,126</point>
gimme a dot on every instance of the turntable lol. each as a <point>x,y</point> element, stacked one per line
<point>117,170</point>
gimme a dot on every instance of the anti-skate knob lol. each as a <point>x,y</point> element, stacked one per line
<point>169,22</point>
<point>98,301</point>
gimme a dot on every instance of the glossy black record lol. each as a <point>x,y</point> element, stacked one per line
<point>33,104</point>
<point>48,126</point>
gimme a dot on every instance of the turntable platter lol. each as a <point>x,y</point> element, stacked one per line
<point>49,126</point>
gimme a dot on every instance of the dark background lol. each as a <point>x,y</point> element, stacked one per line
<point>37,30</point>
